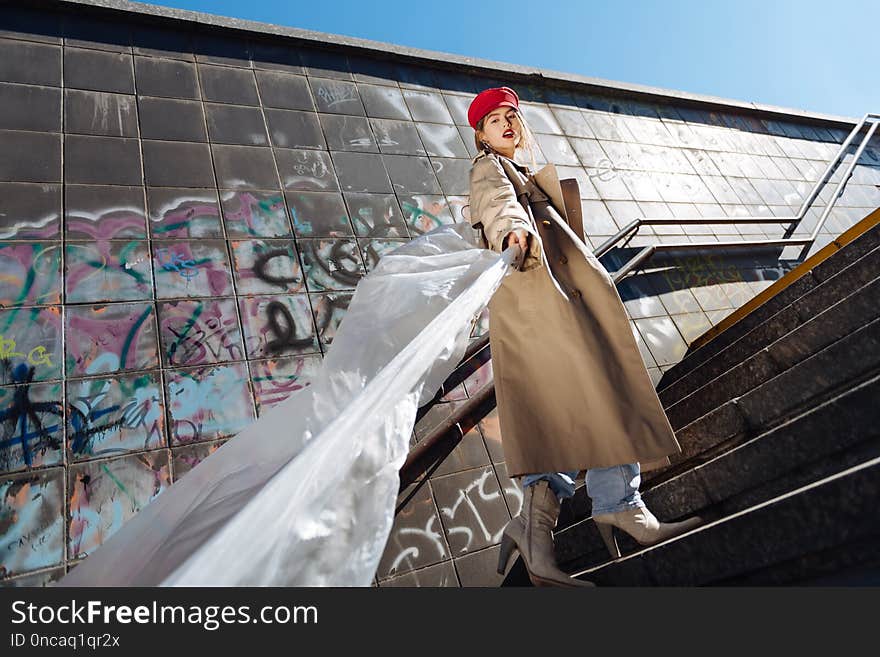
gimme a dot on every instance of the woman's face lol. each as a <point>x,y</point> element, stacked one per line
<point>502,130</point>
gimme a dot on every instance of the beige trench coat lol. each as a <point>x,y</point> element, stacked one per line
<point>572,389</point>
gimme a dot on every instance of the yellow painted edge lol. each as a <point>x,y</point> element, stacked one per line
<point>765,295</point>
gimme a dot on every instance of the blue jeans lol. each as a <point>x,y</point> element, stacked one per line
<point>611,489</point>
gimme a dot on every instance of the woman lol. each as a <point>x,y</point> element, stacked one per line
<point>573,392</point>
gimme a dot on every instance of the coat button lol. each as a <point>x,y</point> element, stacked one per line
<point>563,260</point>
<point>545,222</point>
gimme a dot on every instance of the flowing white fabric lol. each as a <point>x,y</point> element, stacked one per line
<point>305,495</point>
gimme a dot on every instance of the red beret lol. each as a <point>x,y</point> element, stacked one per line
<point>490,99</point>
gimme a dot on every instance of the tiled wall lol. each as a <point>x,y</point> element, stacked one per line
<point>184,215</point>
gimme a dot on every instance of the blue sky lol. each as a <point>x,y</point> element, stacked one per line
<point>815,55</point>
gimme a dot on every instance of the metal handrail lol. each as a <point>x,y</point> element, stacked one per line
<point>430,452</point>
<point>632,228</point>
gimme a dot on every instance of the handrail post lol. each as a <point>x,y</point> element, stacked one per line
<point>817,188</point>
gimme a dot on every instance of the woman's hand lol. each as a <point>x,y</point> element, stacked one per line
<point>518,236</point>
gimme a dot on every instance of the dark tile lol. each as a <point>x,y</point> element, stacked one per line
<point>98,71</point>
<point>31,156</point>
<point>31,276</point>
<point>275,379</point>
<point>92,489</point>
<point>104,212</point>
<point>215,416</point>
<point>30,211</point>
<point>427,106</point>
<point>318,214</point>
<point>31,25</point>
<point>86,326</point>
<point>490,427</point>
<point>171,120</point>
<point>479,569</point>
<point>468,454</point>
<point>183,213</point>
<point>278,325</point>
<point>366,69</point>
<point>415,77</point>
<point>245,167</point>
<point>33,511</point>
<point>31,63</point>
<point>199,332</point>
<point>374,249</point>
<point>162,42</point>
<point>191,268</point>
<point>177,164</point>
<point>228,85</point>
<point>268,267</point>
<point>442,140</point>
<point>425,212</point>
<point>453,174</point>
<point>416,539</point>
<point>330,308</point>
<point>336,97</point>
<point>472,509</point>
<point>511,488</point>
<point>384,102</point>
<point>663,339</point>
<point>291,129</point>
<point>284,91</point>
<point>98,113</point>
<point>438,575</point>
<point>89,32</point>
<point>361,172</point>
<point>216,49</point>
<point>255,214</point>
<point>24,107</point>
<point>411,174</point>
<point>348,133</point>
<point>458,107</point>
<point>234,124</point>
<point>397,137</point>
<point>325,64</point>
<point>115,271</point>
<point>376,215</point>
<point>165,78</point>
<point>307,170</point>
<point>276,58</point>
<point>467,136</point>
<point>102,160</point>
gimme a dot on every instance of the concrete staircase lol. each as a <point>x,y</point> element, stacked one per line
<point>778,418</point>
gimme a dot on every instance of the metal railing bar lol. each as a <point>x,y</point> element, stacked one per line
<point>847,174</point>
<point>633,226</point>
<point>442,440</point>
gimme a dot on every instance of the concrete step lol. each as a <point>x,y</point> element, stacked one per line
<point>827,439</point>
<point>853,251</point>
<point>802,310</point>
<point>813,333</point>
<point>800,386</point>
<point>837,514</point>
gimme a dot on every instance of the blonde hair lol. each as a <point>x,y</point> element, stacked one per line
<point>527,139</point>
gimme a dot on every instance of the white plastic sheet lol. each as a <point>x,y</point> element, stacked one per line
<point>305,496</point>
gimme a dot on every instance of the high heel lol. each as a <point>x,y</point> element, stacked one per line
<point>642,525</point>
<point>531,534</point>
<point>606,531</point>
<point>508,545</point>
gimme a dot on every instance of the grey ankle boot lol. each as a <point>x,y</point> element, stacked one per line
<point>531,532</point>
